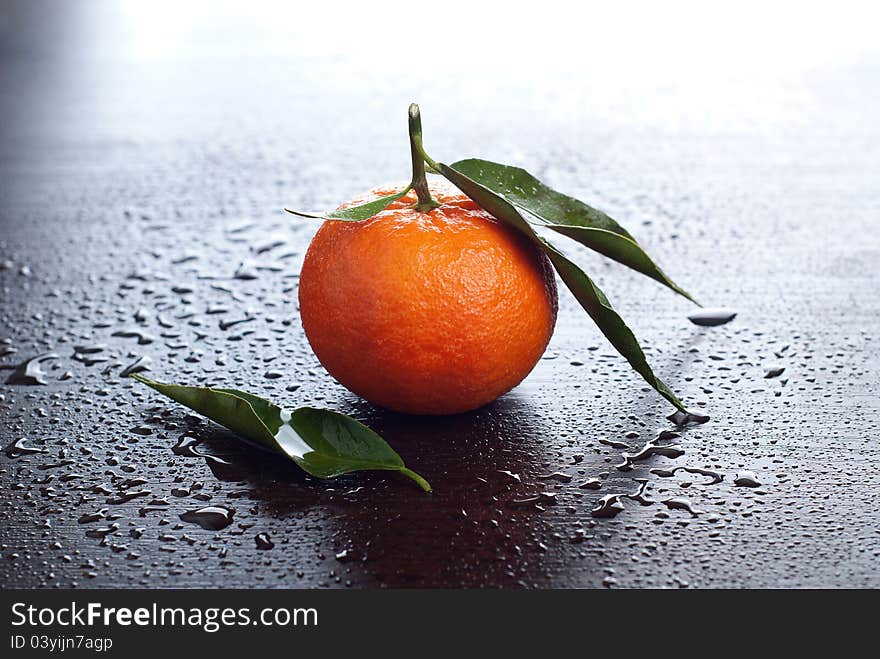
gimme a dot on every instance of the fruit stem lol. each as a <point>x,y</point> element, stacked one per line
<point>425,485</point>
<point>426,202</point>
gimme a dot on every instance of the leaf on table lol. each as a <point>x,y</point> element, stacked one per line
<point>322,443</point>
<point>585,291</point>
<point>566,215</point>
<point>359,212</point>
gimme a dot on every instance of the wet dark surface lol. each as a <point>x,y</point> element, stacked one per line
<point>140,201</point>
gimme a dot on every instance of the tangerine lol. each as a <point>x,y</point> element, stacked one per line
<point>434,312</point>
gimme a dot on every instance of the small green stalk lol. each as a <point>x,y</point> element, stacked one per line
<point>425,485</point>
<point>426,202</point>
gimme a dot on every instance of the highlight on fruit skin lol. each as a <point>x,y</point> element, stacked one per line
<point>436,312</point>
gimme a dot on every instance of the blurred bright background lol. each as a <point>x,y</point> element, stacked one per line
<point>702,57</point>
<point>313,78</point>
<point>660,41</point>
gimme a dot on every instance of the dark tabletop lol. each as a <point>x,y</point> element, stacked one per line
<point>144,163</point>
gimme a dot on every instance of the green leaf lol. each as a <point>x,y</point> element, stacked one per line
<point>322,443</point>
<point>357,213</point>
<point>566,215</point>
<point>585,291</point>
<point>595,303</point>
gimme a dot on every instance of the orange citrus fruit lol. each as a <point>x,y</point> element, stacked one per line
<point>426,313</point>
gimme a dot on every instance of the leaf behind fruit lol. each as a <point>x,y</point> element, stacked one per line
<point>585,291</point>
<point>566,215</point>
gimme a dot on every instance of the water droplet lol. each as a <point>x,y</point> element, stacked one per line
<point>186,446</point>
<point>212,518</point>
<point>226,324</point>
<point>263,541</point>
<point>668,473</point>
<point>680,418</point>
<point>88,359</point>
<point>29,372</point>
<point>18,447</point>
<point>90,349</point>
<point>682,503</point>
<point>101,533</point>
<point>142,337</point>
<point>88,518</point>
<point>653,447</point>
<point>557,476</point>
<point>138,366</point>
<point>125,497</point>
<point>610,505</point>
<point>712,316</point>
<point>246,272</point>
<point>612,443</point>
<point>746,479</point>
